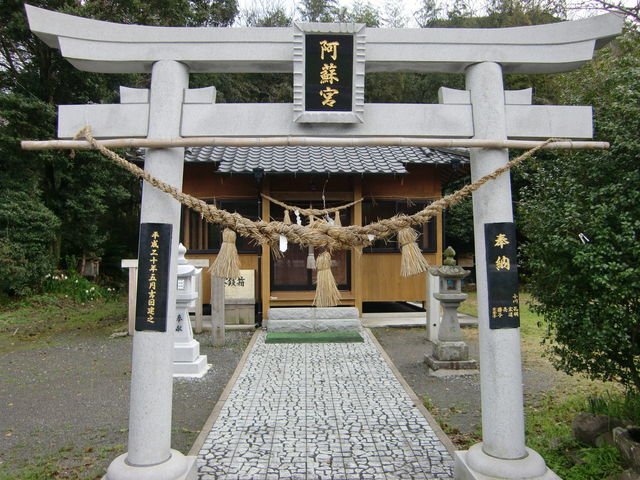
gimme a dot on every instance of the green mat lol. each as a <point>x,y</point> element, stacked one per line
<point>314,337</point>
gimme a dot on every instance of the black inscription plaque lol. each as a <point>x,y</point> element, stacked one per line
<point>328,73</point>
<point>502,275</point>
<point>154,255</point>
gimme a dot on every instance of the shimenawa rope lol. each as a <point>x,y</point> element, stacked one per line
<point>319,233</point>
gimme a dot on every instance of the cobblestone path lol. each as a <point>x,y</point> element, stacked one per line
<point>320,411</point>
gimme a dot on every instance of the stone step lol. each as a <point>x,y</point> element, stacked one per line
<point>309,319</point>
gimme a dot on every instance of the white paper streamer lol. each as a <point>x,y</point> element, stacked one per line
<point>284,243</point>
<point>298,219</point>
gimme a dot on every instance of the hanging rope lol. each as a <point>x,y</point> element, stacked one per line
<point>309,211</point>
<point>321,233</point>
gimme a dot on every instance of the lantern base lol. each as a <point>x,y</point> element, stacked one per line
<point>195,369</point>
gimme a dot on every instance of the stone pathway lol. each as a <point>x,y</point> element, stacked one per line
<point>320,411</point>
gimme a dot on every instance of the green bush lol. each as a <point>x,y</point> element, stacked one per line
<point>581,218</point>
<point>27,232</point>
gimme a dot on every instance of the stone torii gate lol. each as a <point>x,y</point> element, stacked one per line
<point>169,109</point>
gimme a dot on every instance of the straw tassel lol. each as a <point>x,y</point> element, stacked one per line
<point>311,261</point>
<point>413,261</point>
<point>227,264</point>
<point>327,293</point>
<point>336,221</point>
<point>286,219</point>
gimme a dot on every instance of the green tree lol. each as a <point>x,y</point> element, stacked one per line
<point>94,203</point>
<point>319,10</point>
<point>28,229</point>
<point>267,14</point>
<point>581,215</point>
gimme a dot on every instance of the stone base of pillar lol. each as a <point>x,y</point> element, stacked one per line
<point>474,464</point>
<point>178,467</point>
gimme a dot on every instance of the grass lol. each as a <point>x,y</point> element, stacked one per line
<point>548,429</point>
<point>52,319</point>
<point>69,462</point>
<point>549,417</point>
<point>47,319</point>
<point>461,440</point>
<point>625,406</point>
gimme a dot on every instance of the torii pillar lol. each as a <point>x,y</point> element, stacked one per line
<point>150,455</point>
<point>485,111</point>
<point>502,453</point>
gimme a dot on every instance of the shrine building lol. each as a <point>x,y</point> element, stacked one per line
<point>389,180</point>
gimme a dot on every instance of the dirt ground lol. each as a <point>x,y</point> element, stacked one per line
<point>453,400</point>
<point>68,403</point>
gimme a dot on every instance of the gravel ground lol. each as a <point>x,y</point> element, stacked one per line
<point>457,398</point>
<point>71,401</point>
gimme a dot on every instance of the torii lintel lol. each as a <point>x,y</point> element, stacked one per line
<point>106,47</point>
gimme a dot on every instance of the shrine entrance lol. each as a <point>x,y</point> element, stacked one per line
<point>484,117</point>
<point>296,270</point>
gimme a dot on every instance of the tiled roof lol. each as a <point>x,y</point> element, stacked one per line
<point>309,159</point>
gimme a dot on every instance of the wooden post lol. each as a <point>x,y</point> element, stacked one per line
<point>132,266</point>
<point>356,255</point>
<point>217,310</point>
<point>265,259</point>
<point>305,141</point>
<point>199,303</point>
<point>133,292</point>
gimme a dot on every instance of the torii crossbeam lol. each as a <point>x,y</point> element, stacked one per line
<point>482,111</point>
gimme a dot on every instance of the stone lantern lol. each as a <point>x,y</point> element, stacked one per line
<point>187,361</point>
<point>450,351</point>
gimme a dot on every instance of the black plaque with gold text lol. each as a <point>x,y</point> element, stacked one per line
<point>328,73</point>
<point>154,255</point>
<point>502,275</point>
